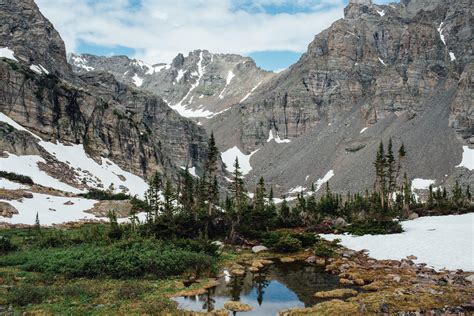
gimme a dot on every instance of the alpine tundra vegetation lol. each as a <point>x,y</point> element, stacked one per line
<point>206,185</point>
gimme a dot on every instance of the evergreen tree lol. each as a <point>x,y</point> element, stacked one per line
<point>239,201</point>
<point>271,211</point>
<point>37,223</point>
<point>380,173</point>
<point>284,213</point>
<point>390,165</point>
<point>169,200</point>
<point>153,197</point>
<point>211,170</point>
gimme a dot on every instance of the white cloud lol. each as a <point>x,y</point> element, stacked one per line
<point>158,30</point>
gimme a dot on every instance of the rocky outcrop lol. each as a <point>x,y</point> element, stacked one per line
<point>135,129</point>
<point>32,37</point>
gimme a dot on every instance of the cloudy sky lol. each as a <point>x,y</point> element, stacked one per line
<point>273,32</point>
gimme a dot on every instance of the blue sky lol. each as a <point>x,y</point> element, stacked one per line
<point>273,32</point>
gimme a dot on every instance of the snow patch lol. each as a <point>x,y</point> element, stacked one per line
<point>228,157</point>
<point>451,55</point>
<point>441,241</point>
<point>277,139</point>
<point>421,184</point>
<point>39,69</point>
<point>158,68</point>
<point>467,158</point>
<point>10,185</point>
<point>28,165</point>
<point>137,80</point>
<point>440,31</point>
<point>5,52</point>
<point>230,76</point>
<point>180,75</point>
<point>81,62</point>
<point>192,171</point>
<point>382,62</point>
<point>381,13</point>
<point>251,91</point>
<point>297,189</point>
<point>363,130</point>
<point>324,179</point>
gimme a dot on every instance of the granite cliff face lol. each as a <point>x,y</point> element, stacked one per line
<point>38,90</point>
<point>199,86</point>
<point>400,70</point>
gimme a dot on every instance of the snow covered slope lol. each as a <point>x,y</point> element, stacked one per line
<point>441,241</point>
<point>104,174</point>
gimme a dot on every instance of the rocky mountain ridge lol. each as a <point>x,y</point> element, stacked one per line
<point>199,86</point>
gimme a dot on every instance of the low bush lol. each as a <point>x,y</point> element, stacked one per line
<point>130,290</point>
<point>95,194</point>
<point>28,294</point>
<point>6,244</point>
<point>326,249</point>
<point>374,228</point>
<point>16,177</point>
<point>271,239</point>
<point>124,259</point>
<point>288,243</point>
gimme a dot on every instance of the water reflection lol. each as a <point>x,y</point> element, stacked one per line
<point>279,286</point>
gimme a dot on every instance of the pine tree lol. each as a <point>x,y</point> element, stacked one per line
<point>390,165</point>
<point>153,197</point>
<point>380,173</point>
<point>284,213</point>
<point>211,170</point>
<point>169,200</point>
<point>37,223</point>
<point>239,201</point>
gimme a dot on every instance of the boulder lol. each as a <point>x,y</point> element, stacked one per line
<point>234,306</point>
<point>7,210</point>
<point>287,260</point>
<point>340,222</point>
<point>412,257</point>
<point>311,259</point>
<point>413,215</point>
<point>259,248</point>
<point>470,278</point>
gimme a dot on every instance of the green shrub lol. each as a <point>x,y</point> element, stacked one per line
<point>95,194</point>
<point>6,244</point>
<point>326,249</point>
<point>124,259</point>
<point>197,245</point>
<point>75,290</point>
<point>287,243</point>
<point>28,294</point>
<point>130,290</point>
<point>16,177</point>
<point>271,239</point>
<point>374,228</point>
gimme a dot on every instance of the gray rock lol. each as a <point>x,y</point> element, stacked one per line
<point>470,278</point>
<point>260,248</point>
<point>340,222</point>
<point>413,215</point>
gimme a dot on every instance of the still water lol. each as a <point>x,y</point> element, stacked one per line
<point>279,286</point>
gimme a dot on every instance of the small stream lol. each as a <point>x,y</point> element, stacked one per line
<point>279,286</point>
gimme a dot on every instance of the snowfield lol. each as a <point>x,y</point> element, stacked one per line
<point>228,157</point>
<point>54,210</point>
<point>467,158</point>
<point>105,174</point>
<point>439,241</point>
